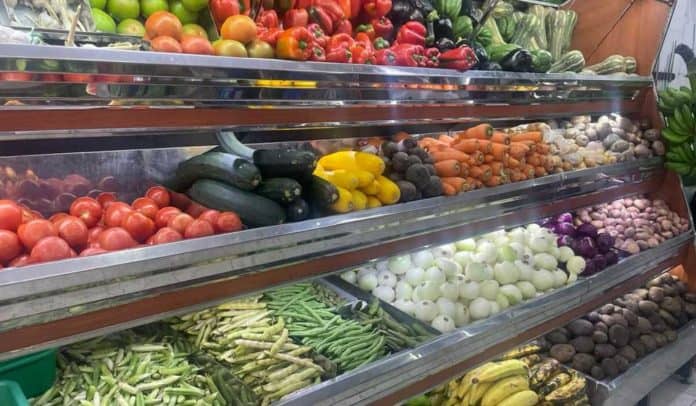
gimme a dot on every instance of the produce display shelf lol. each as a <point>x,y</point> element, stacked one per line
<point>646,374</point>
<point>259,258</point>
<point>120,77</point>
<point>411,372</point>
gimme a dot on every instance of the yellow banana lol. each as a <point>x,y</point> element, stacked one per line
<point>503,389</point>
<point>524,398</point>
<point>477,391</point>
<point>465,385</point>
<point>499,370</point>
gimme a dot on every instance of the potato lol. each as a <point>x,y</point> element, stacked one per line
<point>601,326</point>
<point>580,327</point>
<point>600,337</point>
<point>618,335</point>
<point>647,307</point>
<point>628,353</point>
<point>621,362</point>
<point>649,342</point>
<point>672,304</point>
<point>597,372</point>
<point>641,293</point>
<point>606,309</point>
<point>583,362</point>
<point>562,352</point>
<point>593,317</point>
<point>634,332</point>
<point>669,290</point>
<point>638,345</point>
<point>582,344</point>
<point>630,317</point>
<point>610,368</point>
<point>668,318</point>
<point>681,287</point>
<point>644,325</point>
<point>604,350</point>
<point>690,297</point>
<point>660,339</point>
<point>670,335</point>
<point>690,309</point>
<point>557,337</point>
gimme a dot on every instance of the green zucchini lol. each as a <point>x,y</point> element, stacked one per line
<point>252,209</point>
<point>228,168</point>
<point>540,36</point>
<point>572,61</point>
<point>297,210</point>
<point>556,21</point>
<point>281,190</point>
<point>496,53</point>
<point>541,60</point>
<point>492,26</point>
<point>612,64</point>
<point>320,192</point>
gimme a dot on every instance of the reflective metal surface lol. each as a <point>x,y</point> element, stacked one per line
<point>118,78</point>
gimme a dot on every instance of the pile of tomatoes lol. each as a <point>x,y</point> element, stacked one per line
<point>95,226</point>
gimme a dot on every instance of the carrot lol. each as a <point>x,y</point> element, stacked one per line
<point>464,171</point>
<point>468,146</point>
<point>487,172</point>
<point>445,138</point>
<point>480,132</point>
<point>485,146</point>
<point>512,162</point>
<point>529,171</point>
<point>499,150</point>
<point>518,150</point>
<point>531,144</point>
<point>493,181</point>
<point>454,181</point>
<point>448,190</point>
<point>476,172</point>
<point>497,168</point>
<point>448,167</point>
<point>449,153</point>
<point>488,158</point>
<point>534,159</point>
<point>501,138</point>
<point>542,148</point>
<point>431,143</point>
<point>515,175</point>
<point>525,136</point>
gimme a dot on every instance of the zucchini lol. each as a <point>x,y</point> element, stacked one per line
<point>281,190</point>
<point>228,168</point>
<point>541,60</point>
<point>540,36</point>
<point>497,53</point>
<point>556,21</point>
<point>612,64</point>
<point>297,210</point>
<point>253,210</point>
<point>492,26</point>
<point>525,30</point>
<point>572,61</point>
<point>320,192</point>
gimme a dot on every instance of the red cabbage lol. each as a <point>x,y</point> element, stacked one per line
<point>564,218</point>
<point>548,222</point>
<point>587,230</point>
<point>599,261</point>
<point>589,268</point>
<point>565,241</point>
<point>605,242</point>
<point>585,247</point>
<point>611,258</point>
<point>564,229</point>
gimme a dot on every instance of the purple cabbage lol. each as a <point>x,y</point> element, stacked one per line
<point>564,229</point>
<point>599,262</point>
<point>565,241</point>
<point>605,242</point>
<point>548,222</point>
<point>564,218</point>
<point>590,268</point>
<point>585,247</point>
<point>587,230</point>
<point>611,258</point>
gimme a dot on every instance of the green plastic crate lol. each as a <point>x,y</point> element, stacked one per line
<point>11,394</point>
<point>34,373</point>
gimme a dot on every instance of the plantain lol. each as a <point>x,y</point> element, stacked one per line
<point>531,360</point>
<point>524,398</point>
<point>477,391</point>
<point>498,370</point>
<point>545,371</point>
<point>554,383</point>
<point>503,389</point>
<point>520,352</point>
<point>568,392</point>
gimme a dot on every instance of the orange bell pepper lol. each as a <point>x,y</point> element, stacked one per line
<point>294,43</point>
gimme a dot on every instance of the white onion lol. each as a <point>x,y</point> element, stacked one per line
<point>527,256</point>
<point>350,277</point>
<point>495,307</point>
<point>446,306</point>
<point>422,259</point>
<point>405,305</point>
<point>518,235</point>
<point>506,272</point>
<point>448,266</point>
<point>502,301</point>
<point>479,308</point>
<point>468,244</point>
<point>367,281</point>
<point>429,290</point>
<point>386,278</point>
<point>489,289</point>
<point>477,271</point>
<point>384,292</point>
<point>382,266</point>
<point>434,274</point>
<point>539,243</point>
<point>506,253</point>
<point>399,265</point>
<point>512,293</point>
<point>555,251</point>
<point>469,290</point>
<point>545,261</point>
<point>403,290</point>
<point>501,240</point>
<point>533,228</point>
<point>415,296</point>
<point>446,250</point>
<point>576,265</point>
<point>443,323</point>
<point>366,270</point>
<point>449,290</point>
<point>487,252</point>
<point>493,235</point>
<point>565,253</point>
<point>526,271</point>
<point>518,248</point>
<point>559,278</point>
<point>426,310</point>
<point>461,314</point>
<point>415,276</point>
<point>572,278</point>
<point>528,290</point>
<point>542,280</point>
<point>463,258</point>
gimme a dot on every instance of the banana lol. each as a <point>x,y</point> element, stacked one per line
<point>680,123</point>
<point>503,389</point>
<point>669,99</point>
<point>524,398</point>
<point>688,117</point>
<point>465,384</point>
<point>544,373</point>
<point>682,97</point>
<point>477,391</point>
<point>678,167</point>
<point>568,392</point>
<point>520,352</point>
<point>674,138</point>
<point>555,383</point>
<point>531,360</point>
<point>502,369</point>
<point>664,108</point>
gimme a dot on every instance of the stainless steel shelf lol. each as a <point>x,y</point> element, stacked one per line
<point>130,77</point>
<point>646,374</point>
<point>382,378</point>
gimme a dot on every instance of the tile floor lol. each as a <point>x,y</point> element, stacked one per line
<point>674,393</point>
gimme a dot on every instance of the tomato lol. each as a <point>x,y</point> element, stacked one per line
<point>116,238</point>
<point>87,209</point>
<point>196,45</point>
<point>93,234</point>
<point>160,195</point>
<point>163,23</point>
<point>180,222</point>
<point>196,209</point>
<point>16,76</point>
<point>146,206</point>
<point>10,246</point>
<point>179,200</point>
<point>165,235</point>
<point>199,228</point>
<point>21,260</point>
<point>115,213</point>
<point>50,249</point>
<point>30,233</point>
<point>104,198</point>
<point>56,218</point>
<point>92,251</point>
<point>165,43</point>
<point>210,216</point>
<point>27,214</point>
<point>73,231</point>
<point>164,214</point>
<point>239,28</point>
<point>227,222</point>
<point>10,215</point>
<point>194,29</point>
<point>139,226</point>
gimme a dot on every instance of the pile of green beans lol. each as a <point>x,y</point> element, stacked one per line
<point>242,335</point>
<point>309,321</point>
<point>128,369</point>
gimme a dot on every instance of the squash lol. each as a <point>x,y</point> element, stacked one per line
<point>373,202</point>
<point>372,189</point>
<point>631,65</point>
<point>612,64</point>
<point>359,200</point>
<point>353,160</point>
<point>344,204</point>
<point>222,166</point>
<point>365,178</point>
<point>388,191</point>
<point>541,60</point>
<point>572,61</point>
<point>339,177</point>
<point>281,190</point>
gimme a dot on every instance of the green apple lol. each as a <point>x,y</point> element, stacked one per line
<point>130,26</point>
<point>182,13</point>
<point>195,5</point>
<point>102,21</point>
<point>100,4</point>
<point>149,7</point>
<point>122,9</point>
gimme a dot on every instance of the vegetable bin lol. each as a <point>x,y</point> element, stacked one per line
<point>11,394</point>
<point>34,373</point>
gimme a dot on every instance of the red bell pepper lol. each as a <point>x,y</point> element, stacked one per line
<point>340,40</point>
<point>343,27</point>
<point>408,54</point>
<point>221,9</point>
<point>383,28</point>
<point>412,32</point>
<point>318,53</point>
<point>294,43</point>
<point>295,18</point>
<point>269,35</point>
<point>339,54</point>
<point>303,3</point>
<point>462,58</point>
<point>362,54</point>
<point>319,16</point>
<point>432,58</point>
<point>345,7</point>
<point>385,56</point>
<point>364,40</point>
<point>355,8</point>
<point>318,35</point>
<point>380,43</point>
<point>366,29</point>
<point>377,8</point>
<point>332,8</point>
<point>268,19</point>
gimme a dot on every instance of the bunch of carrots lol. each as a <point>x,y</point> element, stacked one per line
<point>482,156</point>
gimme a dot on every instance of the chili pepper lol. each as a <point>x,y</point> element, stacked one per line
<point>318,53</point>
<point>462,58</point>
<point>339,54</point>
<point>294,43</point>
<point>318,35</point>
<point>377,8</point>
<point>367,29</point>
<point>408,54</point>
<point>332,8</point>
<point>295,18</point>
<point>269,35</point>
<point>432,58</point>
<point>221,9</point>
<point>343,27</point>
<point>380,43</point>
<point>383,27</point>
<point>320,16</point>
<point>268,19</point>
<point>411,33</point>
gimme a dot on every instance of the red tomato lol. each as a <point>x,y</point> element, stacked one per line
<point>116,238</point>
<point>180,222</point>
<point>199,228</point>
<point>21,260</point>
<point>210,216</point>
<point>115,213</point>
<point>179,200</point>
<point>36,214</point>
<point>50,249</point>
<point>138,225</point>
<point>10,215</point>
<point>159,194</point>
<point>92,251</point>
<point>93,234</point>
<point>73,231</point>
<point>87,209</point>
<point>106,197</point>
<point>56,218</point>
<point>10,246</point>
<point>164,214</point>
<point>165,235</point>
<point>51,77</point>
<point>196,209</point>
<point>77,77</point>
<point>16,76</point>
<point>146,206</point>
<point>227,222</point>
<point>30,233</point>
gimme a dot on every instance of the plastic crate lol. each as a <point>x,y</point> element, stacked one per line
<point>11,394</point>
<point>34,373</point>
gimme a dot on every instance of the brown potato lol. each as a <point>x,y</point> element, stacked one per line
<point>582,344</point>
<point>562,352</point>
<point>580,327</point>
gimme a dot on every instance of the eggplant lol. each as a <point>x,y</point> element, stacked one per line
<point>444,44</point>
<point>416,15</point>
<point>443,28</point>
<point>400,12</point>
<point>424,6</point>
<point>491,66</point>
<point>517,61</point>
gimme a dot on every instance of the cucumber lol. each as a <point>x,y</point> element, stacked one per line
<point>320,192</point>
<point>297,210</point>
<point>281,190</point>
<point>228,168</point>
<point>572,61</point>
<point>253,210</point>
